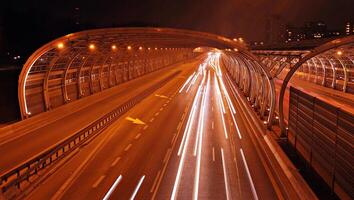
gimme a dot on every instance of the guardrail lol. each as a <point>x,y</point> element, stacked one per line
<point>31,167</point>
<point>323,135</point>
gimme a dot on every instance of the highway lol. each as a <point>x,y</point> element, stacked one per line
<point>188,140</point>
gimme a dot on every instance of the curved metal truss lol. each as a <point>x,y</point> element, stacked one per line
<point>333,68</point>
<point>331,64</point>
<point>84,63</point>
<point>255,80</point>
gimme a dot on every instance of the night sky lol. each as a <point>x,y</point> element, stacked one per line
<point>26,24</point>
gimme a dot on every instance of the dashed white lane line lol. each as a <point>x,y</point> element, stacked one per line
<point>137,188</point>
<point>115,161</point>
<point>156,114</point>
<point>137,136</point>
<point>155,181</point>
<point>179,126</point>
<point>99,180</point>
<point>145,127</point>
<point>152,119</point>
<point>212,125</point>
<point>164,105</point>
<point>106,197</point>
<point>161,109</point>
<point>213,154</point>
<point>128,147</point>
<point>167,155</point>
<point>227,190</point>
<point>174,138</point>
<point>254,192</point>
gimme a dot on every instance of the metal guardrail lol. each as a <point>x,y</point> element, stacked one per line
<point>31,167</point>
<point>323,135</point>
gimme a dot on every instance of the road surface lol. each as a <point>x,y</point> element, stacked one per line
<point>188,140</point>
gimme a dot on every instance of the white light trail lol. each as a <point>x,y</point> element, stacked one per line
<point>190,121</point>
<point>181,162</point>
<point>109,193</point>
<point>185,83</point>
<point>197,172</point>
<point>220,106</point>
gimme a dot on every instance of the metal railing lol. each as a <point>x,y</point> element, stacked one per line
<point>31,167</point>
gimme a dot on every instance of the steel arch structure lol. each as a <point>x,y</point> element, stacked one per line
<point>81,64</point>
<point>339,54</point>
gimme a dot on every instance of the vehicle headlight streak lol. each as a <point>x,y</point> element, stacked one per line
<point>187,81</point>
<point>185,140</point>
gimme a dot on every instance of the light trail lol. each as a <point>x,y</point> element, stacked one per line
<point>220,106</point>
<point>110,191</point>
<point>184,151</point>
<point>218,91</point>
<point>189,122</point>
<point>185,83</point>
<point>201,132</point>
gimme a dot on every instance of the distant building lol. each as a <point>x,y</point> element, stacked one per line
<point>273,30</point>
<point>311,30</point>
<point>349,28</point>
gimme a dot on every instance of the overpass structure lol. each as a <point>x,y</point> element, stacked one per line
<point>206,94</point>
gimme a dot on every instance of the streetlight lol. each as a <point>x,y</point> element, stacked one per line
<point>60,45</point>
<point>129,47</point>
<point>339,53</point>
<point>114,47</point>
<point>92,47</point>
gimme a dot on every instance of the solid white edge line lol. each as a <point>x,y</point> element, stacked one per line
<point>116,182</point>
<point>137,188</point>
<point>254,192</point>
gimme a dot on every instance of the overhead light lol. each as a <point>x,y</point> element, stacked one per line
<point>60,45</point>
<point>92,46</point>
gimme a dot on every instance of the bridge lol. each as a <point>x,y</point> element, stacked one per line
<point>159,113</point>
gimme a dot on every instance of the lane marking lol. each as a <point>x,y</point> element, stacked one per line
<point>135,121</point>
<point>213,154</point>
<point>128,147</point>
<point>99,180</point>
<point>179,126</point>
<point>152,119</point>
<point>183,147</point>
<point>249,176</point>
<point>156,114</point>
<point>115,161</point>
<point>212,125</point>
<point>225,175</point>
<point>155,181</point>
<point>174,138</point>
<point>145,127</point>
<point>167,155</point>
<point>137,188</point>
<point>165,104</point>
<point>115,184</point>
<point>161,109</point>
<point>137,136</point>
